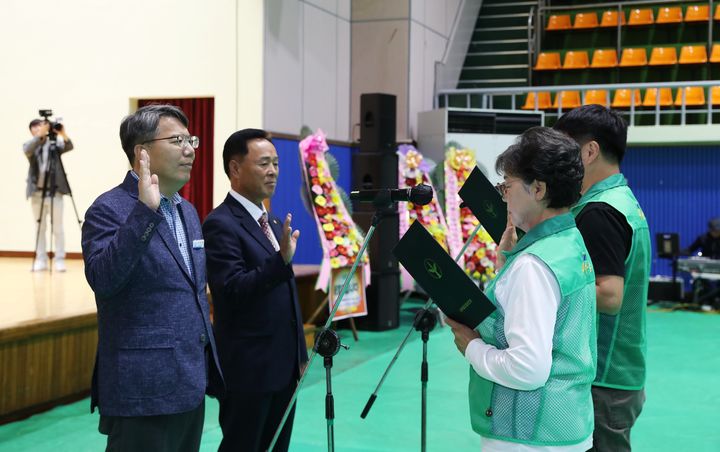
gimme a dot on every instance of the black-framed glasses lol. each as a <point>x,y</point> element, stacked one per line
<point>180,141</point>
<point>502,187</point>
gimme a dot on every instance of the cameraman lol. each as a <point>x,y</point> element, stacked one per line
<point>46,170</point>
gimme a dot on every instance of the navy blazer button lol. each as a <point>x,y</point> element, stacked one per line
<point>152,225</point>
<point>202,338</point>
<point>488,412</point>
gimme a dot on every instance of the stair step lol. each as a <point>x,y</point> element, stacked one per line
<point>496,67</point>
<point>490,81</point>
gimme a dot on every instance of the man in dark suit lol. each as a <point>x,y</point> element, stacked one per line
<point>144,259</point>
<point>257,315</point>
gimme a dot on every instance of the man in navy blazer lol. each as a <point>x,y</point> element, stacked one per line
<point>144,259</point>
<point>257,315</point>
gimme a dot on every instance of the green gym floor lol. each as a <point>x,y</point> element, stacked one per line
<point>682,412</point>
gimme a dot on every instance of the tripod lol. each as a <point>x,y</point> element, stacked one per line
<point>50,188</point>
<point>425,321</point>
<point>328,342</point>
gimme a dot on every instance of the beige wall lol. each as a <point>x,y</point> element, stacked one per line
<point>86,59</point>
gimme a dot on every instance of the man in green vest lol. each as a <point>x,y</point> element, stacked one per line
<point>616,235</point>
<point>533,359</point>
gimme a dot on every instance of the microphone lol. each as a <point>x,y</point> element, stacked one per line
<point>420,194</point>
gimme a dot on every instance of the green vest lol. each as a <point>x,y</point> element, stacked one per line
<point>561,411</point>
<point>622,345</point>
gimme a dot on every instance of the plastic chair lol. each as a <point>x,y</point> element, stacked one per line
<point>715,54</point>
<point>576,60</point>
<point>717,12</point>
<point>633,57</point>
<point>595,96</point>
<point>715,95</point>
<point>585,20</point>
<point>694,96</point>
<point>604,58</point>
<point>693,55</point>
<point>543,101</point>
<point>651,97</point>
<point>697,13</point>
<point>641,17</point>
<point>671,15</point>
<point>663,56</point>
<point>622,98</point>
<point>558,22</point>
<point>570,100</point>
<point>547,61</point>
<point>610,18</point>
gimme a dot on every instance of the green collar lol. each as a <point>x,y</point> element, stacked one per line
<point>616,180</point>
<point>546,228</point>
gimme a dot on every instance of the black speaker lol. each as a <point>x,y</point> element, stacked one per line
<point>377,123</point>
<point>371,171</point>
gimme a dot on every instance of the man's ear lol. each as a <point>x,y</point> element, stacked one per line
<point>590,152</point>
<point>136,151</point>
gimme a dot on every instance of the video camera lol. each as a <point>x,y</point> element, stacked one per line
<point>55,125</point>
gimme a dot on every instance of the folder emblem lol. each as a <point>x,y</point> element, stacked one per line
<point>433,269</point>
<point>490,209</point>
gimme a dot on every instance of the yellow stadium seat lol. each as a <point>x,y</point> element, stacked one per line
<point>547,61</point>
<point>641,17</point>
<point>558,22</point>
<point>693,55</point>
<point>543,101</point>
<point>697,13</point>
<point>694,96</point>
<point>715,95</point>
<point>570,100</point>
<point>663,56</point>
<point>610,18</point>
<point>622,98</point>
<point>596,96</point>
<point>669,15</point>
<point>604,58</point>
<point>576,60</point>
<point>715,54</point>
<point>585,20</point>
<point>651,97</point>
<point>633,57</point>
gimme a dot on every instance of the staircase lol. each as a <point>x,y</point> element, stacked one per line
<point>498,52</point>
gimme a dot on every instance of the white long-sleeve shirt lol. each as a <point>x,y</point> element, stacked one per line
<point>529,296</point>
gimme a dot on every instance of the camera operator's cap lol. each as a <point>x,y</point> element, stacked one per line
<point>714,224</point>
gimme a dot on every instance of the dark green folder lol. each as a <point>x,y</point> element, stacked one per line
<point>486,203</point>
<point>446,283</point>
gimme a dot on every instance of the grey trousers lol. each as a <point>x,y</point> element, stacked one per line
<point>615,413</point>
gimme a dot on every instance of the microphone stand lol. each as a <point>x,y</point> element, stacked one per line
<point>425,320</point>
<point>327,343</point>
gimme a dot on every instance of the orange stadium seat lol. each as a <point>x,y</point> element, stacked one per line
<point>604,58</point>
<point>697,13</point>
<point>641,17</point>
<point>547,61</point>
<point>623,98</point>
<point>576,60</point>
<point>569,100</point>
<point>633,57</point>
<point>715,54</point>
<point>663,56</point>
<point>610,18</point>
<point>715,95</point>
<point>693,55</point>
<point>585,20</point>
<point>651,97</point>
<point>694,96</point>
<point>596,96</point>
<point>543,101</point>
<point>717,12</point>
<point>669,15</point>
<point>558,22</point>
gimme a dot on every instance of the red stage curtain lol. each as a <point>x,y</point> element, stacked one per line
<point>201,116</point>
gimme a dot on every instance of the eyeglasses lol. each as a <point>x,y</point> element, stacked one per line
<point>503,187</point>
<point>180,141</point>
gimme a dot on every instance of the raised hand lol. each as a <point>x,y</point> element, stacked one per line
<point>288,242</point>
<point>507,241</point>
<point>148,186</point>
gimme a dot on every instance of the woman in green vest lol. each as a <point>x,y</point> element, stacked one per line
<point>533,360</point>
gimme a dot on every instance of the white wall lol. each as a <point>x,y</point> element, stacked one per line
<point>85,59</point>
<point>307,66</point>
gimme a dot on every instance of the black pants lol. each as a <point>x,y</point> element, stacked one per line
<point>249,420</point>
<point>179,432</point>
<point>616,411</point>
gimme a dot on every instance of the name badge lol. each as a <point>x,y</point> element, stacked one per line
<point>198,244</point>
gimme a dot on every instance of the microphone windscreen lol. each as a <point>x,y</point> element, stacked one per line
<point>421,194</point>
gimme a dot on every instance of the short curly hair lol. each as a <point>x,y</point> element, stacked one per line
<point>549,156</point>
